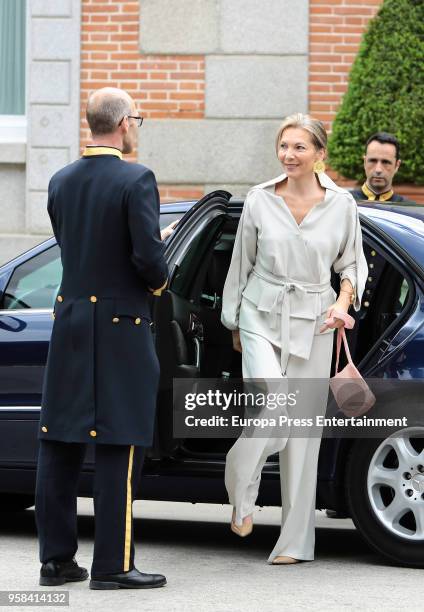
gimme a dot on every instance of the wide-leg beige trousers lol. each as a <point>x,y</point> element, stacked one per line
<point>298,456</point>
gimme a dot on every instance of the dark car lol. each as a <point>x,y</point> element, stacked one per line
<point>377,482</point>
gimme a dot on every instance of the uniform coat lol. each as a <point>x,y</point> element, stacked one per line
<point>102,370</point>
<point>365,193</point>
<point>375,261</point>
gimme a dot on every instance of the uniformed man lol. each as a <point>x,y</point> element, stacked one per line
<point>381,163</point>
<point>102,370</point>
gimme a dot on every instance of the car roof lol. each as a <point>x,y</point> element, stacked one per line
<point>409,217</point>
<point>404,224</point>
<point>177,207</point>
<point>405,208</point>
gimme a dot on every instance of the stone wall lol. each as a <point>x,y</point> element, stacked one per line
<point>52,115</point>
<point>253,78</point>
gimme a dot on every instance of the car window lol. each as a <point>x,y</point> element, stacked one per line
<point>167,218</point>
<point>35,283</point>
<point>403,294</point>
<point>194,258</point>
<point>386,294</point>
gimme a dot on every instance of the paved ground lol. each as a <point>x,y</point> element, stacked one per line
<point>210,569</point>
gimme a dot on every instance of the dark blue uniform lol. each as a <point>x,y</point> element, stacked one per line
<point>102,371</point>
<point>365,193</point>
<point>375,261</point>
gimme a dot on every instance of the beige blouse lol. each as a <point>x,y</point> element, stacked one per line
<point>278,282</point>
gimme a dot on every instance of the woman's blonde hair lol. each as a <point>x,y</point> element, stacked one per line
<point>315,128</point>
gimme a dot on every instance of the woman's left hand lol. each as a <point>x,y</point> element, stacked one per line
<point>167,231</point>
<point>342,305</point>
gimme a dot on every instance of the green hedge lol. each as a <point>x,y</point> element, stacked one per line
<point>386,92</point>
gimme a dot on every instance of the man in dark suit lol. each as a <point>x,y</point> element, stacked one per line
<point>102,371</point>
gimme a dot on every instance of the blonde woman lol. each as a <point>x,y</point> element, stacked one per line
<point>277,294</point>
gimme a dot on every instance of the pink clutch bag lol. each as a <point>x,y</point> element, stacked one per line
<point>352,394</point>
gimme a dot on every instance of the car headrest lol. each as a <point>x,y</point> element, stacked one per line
<point>218,267</point>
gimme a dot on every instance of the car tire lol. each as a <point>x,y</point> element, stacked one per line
<point>15,503</point>
<point>372,462</point>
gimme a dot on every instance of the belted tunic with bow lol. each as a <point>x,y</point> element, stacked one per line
<point>278,283</point>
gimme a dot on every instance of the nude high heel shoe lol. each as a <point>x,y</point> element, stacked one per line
<point>283,560</point>
<point>245,529</point>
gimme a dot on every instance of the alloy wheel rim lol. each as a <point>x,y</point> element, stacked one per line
<point>395,483</point>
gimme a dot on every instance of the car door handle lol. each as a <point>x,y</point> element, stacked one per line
<point>195,327</point>
<point>197,352</point>
<point>195,332</point>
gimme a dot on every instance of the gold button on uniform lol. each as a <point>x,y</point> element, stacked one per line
<point>93,433</point>
<point>373,253</point>
<point>93,299</point>
<point>366,304</point>
<point>137,321</point>
<point>115,320</point>
<point>369,279</point>
<point>44,428</point>
<point>371,265</point>
<point>59,298</point>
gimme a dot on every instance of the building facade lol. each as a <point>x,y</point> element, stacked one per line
<point>213,78</point>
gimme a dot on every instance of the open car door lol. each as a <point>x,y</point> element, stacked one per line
<point>179,326</point>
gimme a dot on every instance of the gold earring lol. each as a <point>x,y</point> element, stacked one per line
<point>319,167</point>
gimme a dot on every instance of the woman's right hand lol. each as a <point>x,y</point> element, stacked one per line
<point>236,340</point>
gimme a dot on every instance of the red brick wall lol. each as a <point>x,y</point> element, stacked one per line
<point>162,86</point>
<point>336,28</point>
<point>173,86</point>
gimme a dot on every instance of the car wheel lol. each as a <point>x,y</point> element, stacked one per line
<point>385,493</point>
<point>15,503</point>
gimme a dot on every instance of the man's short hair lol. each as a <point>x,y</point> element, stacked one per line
<point>105,112</point>
<point>385,138</point>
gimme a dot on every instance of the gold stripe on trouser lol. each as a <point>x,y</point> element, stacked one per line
<point>128,515</point>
